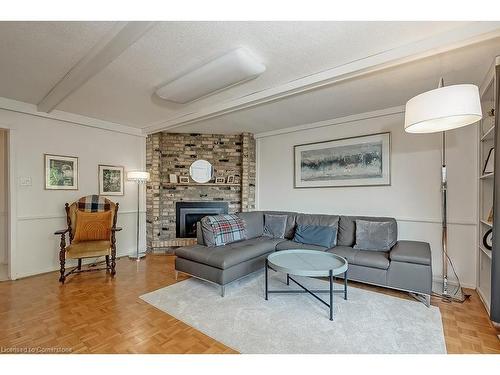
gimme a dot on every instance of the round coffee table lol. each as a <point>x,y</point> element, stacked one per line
<point>309,263</point>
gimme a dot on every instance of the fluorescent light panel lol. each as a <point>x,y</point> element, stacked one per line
<point>228,70</point>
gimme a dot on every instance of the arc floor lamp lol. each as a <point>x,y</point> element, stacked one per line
<point>140,178</point>
<point>440,110</point>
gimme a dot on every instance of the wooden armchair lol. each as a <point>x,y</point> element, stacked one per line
<point>91,227</point>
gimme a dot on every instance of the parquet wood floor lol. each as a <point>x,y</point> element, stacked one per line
<point>93,313</point>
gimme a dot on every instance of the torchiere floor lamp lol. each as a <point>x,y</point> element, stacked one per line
<point>140,178</point>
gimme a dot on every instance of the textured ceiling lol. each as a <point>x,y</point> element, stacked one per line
<point>290,50</point>
<point>36,55</point>
<point>391,87</point>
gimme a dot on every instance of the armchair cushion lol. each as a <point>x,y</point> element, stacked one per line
<point>88,249</point>
<point>92,226</point>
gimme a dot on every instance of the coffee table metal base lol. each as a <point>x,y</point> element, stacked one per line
<point>312,292</point>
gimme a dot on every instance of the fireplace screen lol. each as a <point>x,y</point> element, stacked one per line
<point>189,213</point>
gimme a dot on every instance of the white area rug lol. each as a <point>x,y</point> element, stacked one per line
<point>368,322</point>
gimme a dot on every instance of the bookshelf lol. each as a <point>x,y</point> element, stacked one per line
<point>486,136</point>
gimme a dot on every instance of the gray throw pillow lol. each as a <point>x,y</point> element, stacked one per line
<point>375,235</point>
<point>275,226</point>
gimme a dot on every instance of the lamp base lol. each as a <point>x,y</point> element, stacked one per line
<point>454,293</point>
<point>136,256</point>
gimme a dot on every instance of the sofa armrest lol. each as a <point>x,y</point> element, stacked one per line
<point>415,252</point>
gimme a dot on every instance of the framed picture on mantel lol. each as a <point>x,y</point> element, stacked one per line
<point>355,161</point>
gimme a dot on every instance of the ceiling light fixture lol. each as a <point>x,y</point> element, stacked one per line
<point>225,71</point>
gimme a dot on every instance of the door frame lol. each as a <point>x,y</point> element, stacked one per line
<point>11,200</point>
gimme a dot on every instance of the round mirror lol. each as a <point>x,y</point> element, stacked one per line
<point>201,171</point>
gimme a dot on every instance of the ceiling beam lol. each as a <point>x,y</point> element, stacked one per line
<point>121,36</point>
<point>472,33</point>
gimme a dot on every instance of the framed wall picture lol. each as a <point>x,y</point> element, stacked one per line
<point>230,179</point>
<point>489,164</point>
<point>355,161</point>
<point>183,180</point>
<point>61,172</point>
<point>220,180</point>
<point>110,180</point>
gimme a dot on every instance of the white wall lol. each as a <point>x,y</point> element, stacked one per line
<point>413,197</point>
<point>3,197</point>
<point>37,213</point>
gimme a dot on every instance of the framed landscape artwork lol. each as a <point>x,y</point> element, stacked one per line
<point>110,180</point>
<point>356,161</point>
<point>61,172</point>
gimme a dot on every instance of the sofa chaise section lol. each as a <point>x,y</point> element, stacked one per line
<point>224,264</point>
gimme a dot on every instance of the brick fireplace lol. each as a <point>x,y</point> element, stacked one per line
<point>173,153</point>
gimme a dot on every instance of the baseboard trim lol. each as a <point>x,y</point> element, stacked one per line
<point>437,278</point>
<point>56,268</point>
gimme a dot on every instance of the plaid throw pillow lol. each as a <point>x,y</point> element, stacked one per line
<point>93,203</point>
<point>227,229</point>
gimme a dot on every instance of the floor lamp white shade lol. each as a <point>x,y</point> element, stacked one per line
<point>442,109</point>
<point>139,177</point>
<point>439,110</point>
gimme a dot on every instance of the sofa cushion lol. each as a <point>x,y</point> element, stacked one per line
<point>290,222</point>
<point>227,256</point>
<point>411,252</point>
<point>375,236</point>
<point>345,251</point>
<point>275,226</point>
<point>347,228</point>
<point>290,245</point>
<point>321,220</point>
<point>371,259</point>
<point>316,235</point>
<point>254,222</point>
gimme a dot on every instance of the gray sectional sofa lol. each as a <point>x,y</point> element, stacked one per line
<point>407,266</point>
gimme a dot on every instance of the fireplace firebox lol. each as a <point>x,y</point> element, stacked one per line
<point>187,214</point>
